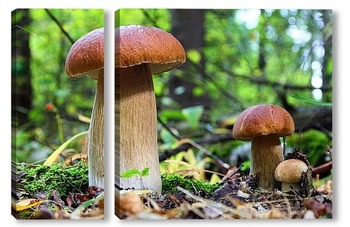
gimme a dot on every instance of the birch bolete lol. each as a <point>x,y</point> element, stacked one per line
<point>140,53</point>
<point>86,58</point>
<point>263,125</point>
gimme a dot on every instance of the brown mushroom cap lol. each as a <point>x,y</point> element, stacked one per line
<point>262,120</point>
<point>137,44</point>
<point>86,56</point>
<point>290,171</point>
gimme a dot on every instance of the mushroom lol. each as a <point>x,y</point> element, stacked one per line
<point>263,125</point>
<point>86,58</point>
<point>140,53</point>
<point>289,173</point>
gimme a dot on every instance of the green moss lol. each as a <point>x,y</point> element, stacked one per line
<point>24,214</point>
<point>62,179</point>
<point>312,142</point>
<point>197,187</point>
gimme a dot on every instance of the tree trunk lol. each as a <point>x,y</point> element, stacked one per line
<point>313,117</point>
<point>188,28</point>
<point>21,94</point>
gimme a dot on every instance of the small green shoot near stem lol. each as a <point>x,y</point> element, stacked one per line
<point>135,172</point>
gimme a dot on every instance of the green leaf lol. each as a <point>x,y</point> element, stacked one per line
<point>145,172</point>
<point>245,165</point>
<point>130,173</point>
<point>134,172</point>
<point>308,100</point>
<point>193,115</point>
<point>165,115</point>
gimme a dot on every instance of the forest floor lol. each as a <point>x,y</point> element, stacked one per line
<point>54,192</point>
<point>236,199</point>
<point>237,196</point>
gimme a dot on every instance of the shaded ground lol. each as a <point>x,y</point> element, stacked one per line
<point>236,199</point>
<point>56,192</point>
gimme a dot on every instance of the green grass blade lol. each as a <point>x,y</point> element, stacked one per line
<point>53,157</point>
<point>312,101</point>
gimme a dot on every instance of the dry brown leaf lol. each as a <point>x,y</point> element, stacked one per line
<point>27,203</point>
<point>128,204</point>
<point>271,214</point>
<point>317,207</point>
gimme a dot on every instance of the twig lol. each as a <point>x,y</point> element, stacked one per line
<point>214,205</point>
<point>218,86</point>
<point>322,168</point>
<point>186,145</point>
<point>192,144</point>
<point>167,128</point>
<point>59,25</point>
<point>208,153</point>
<point>262,80</point>
<point>168,153</point>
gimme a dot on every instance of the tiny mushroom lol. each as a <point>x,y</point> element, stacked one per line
<point>86,58</point>
<point>289,173</point>
<point>140,53</point>
<point>263,125</point>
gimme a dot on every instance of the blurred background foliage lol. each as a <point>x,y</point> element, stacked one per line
<point>48,108</point>
<point>236,59</point>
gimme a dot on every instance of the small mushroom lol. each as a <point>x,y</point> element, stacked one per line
<point>263,125</point>
<point>140,53</point>
<point>289,173</point>
<point>86,58</point>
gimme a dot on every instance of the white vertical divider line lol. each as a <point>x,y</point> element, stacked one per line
<point>109,113</point>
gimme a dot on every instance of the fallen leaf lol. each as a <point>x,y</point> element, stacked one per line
<point>127,204</point>
<point>27,203</point>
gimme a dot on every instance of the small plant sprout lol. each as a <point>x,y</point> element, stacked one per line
<point>136,173</point>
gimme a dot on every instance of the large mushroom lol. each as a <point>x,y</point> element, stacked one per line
<point>263,125</point>
<point>140,53</point>
<point>86,58</point>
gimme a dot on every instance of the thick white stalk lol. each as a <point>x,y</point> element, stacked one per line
<point>136,128</point>
<point>96,137</point>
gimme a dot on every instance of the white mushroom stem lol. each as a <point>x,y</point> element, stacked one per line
<point>266,155</point>
<point>136,128</point>
<point>96,137</point>
<point>285,187</point>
